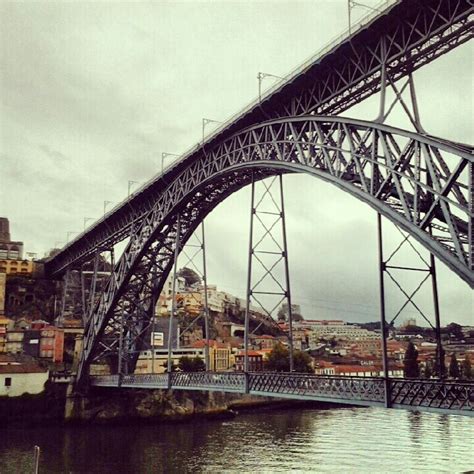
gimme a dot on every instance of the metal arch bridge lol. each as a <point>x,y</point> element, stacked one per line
<point>420,395</point>
<point>422,183</point>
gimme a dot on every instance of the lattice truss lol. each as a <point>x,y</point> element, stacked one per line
<point>268,255</point>
<point>409,36</point>
<point>407,44</point>
<point>414,180</point>
<point>422,181</point>
<point>193,256</point>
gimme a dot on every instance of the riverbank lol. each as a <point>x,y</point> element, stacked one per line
<point>59,406</point>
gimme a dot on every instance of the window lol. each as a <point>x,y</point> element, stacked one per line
<point>8,381</point>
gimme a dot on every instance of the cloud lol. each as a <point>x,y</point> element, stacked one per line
<point>93,93</point>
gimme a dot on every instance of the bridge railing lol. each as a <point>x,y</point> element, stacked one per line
<point>439,395</point>
<point>450,395</point>
<point>318,386</point>
<point>225,381</point>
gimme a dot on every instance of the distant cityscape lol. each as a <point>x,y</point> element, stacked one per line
<point>40,341</point>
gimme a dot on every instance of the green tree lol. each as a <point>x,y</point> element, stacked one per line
<point>190,276</point>
<point>302,362</point>
<point>454,371</point>
<point>428,372</point>
<point>466,367</point>
<point>440,365</point>
<point>411,368</point>
<point>279,360</point>
<point>188,364</point>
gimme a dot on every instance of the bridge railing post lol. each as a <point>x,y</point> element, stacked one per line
<point>247,382</point>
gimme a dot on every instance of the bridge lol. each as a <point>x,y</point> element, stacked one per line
<point>421,395</point>
<point>421,183</point>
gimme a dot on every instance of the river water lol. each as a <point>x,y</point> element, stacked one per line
<point>366,440</point>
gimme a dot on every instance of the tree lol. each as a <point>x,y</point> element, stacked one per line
<point>188,364</point>
<point>411,368</point>
<point>440,365</point>
<point>428,372</point>
<point>279,360</point>
<point>190,276</point>
<point>454,367</point>
<point>466,367</point>
<point>302,362</point>
<point>455,330</point>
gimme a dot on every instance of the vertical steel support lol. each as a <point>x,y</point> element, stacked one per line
<point>287,273</point>
<point>470,231</point>
<point>83,297</point>
<point>120,359</point>
<point>349,6</point>
<point>64,295</point>
<point>93,284</point>
<point>249,289</point>
<point>173,301</point>
<point>439,345</point>
<point>414,103</point>
<point>383,323</point>
<point>206,306</point>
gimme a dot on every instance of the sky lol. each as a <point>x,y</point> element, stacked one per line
<point>93,93</point>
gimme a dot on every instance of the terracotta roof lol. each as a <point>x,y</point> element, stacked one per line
<point>250,353</point>
<point>212,343</point>
<point>21,369</point>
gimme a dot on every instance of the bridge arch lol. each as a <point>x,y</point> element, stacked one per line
<point>418,182</point>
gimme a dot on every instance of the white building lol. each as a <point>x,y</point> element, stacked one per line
<point>336,329</point>
<point>156,361</point>
<point>17,379</point>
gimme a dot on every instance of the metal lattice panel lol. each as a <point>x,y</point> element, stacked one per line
<point>307,386</point>
<point>224,381</point>
<point>433,394</point>
<point>414,180</point>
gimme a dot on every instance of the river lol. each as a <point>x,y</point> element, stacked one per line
<point>366,440</point>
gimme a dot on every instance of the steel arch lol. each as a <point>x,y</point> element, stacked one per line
<point>421,183</point>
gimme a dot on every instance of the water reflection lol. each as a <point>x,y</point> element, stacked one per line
<point>336,440</point>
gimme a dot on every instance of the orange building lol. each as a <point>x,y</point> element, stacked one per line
<point>255,361</point>
<point>52,344</point>
<point>219,354</point>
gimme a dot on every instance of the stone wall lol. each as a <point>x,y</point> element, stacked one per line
<point>105,405</point>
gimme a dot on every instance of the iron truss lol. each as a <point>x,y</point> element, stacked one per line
<point>430,395</point>
<point>416,181</point>
<point>402,39</point>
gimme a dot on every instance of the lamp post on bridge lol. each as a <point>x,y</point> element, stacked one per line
<point>352,4</point>
<point>68,234</point>
<point>106,203</point>
<point>130,184</point>
<point>166,155</point>
<point>87,219</point>
<point>205,122</point>
<point>261,76</point>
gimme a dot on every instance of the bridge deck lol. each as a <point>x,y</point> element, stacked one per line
<point>454,397</point>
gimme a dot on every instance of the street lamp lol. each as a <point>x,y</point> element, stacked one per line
<point>352,4</point>
<point>261,76</point>
<point>206,121</point>
<point>106,203</point>
<point>71,232</point>
<point>166,155</point>
<point>87,219</point>
<point>130,184</point>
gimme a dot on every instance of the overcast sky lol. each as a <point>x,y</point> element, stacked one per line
<point>93,93</point>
